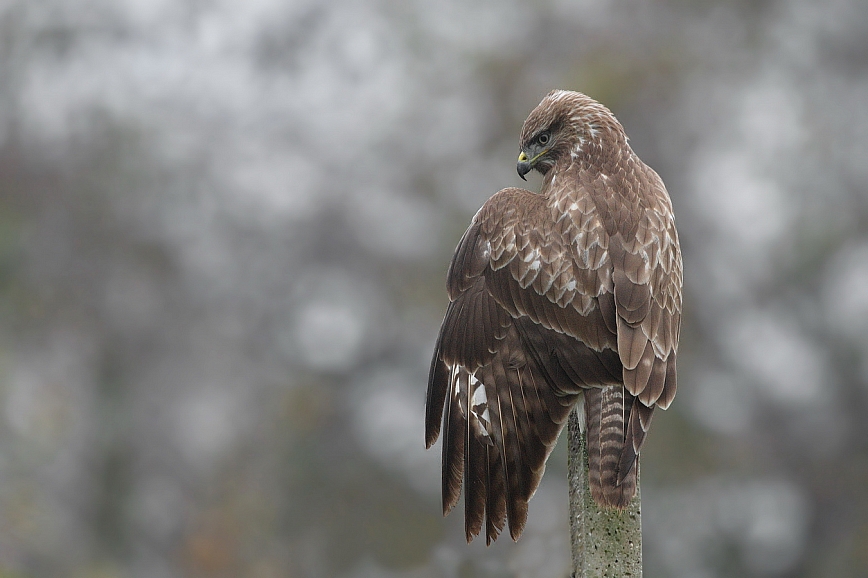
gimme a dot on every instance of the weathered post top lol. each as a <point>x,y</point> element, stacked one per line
<point>605,542</point>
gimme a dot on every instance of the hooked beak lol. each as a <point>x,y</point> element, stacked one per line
<point>524,165</point>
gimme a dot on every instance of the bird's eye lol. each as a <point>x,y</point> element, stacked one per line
<point>543,138</point>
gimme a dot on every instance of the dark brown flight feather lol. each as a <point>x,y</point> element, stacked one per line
<point>569,296</point>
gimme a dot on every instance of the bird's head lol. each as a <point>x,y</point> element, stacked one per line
<point>563,126</point>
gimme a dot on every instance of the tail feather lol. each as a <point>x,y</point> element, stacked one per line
<point>609,414</point>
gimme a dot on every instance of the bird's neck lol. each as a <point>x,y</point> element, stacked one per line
<point>591,157</point>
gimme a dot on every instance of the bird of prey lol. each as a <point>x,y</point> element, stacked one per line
<point>563,298</point>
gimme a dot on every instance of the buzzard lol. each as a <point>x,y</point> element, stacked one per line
<point>563,298</point>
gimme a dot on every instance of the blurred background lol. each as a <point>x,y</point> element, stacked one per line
<point>224,233</point>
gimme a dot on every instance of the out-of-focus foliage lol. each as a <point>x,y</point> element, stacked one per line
<point>224,230</point>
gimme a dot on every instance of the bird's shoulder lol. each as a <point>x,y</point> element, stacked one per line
<point>495,236</point>
<point>509,207</point>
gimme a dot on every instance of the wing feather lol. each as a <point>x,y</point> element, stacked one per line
<point>453,447</point>
<point>475,470</point>
<point>517,322</point>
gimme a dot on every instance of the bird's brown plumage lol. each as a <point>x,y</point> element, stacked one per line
<point>566,296</point>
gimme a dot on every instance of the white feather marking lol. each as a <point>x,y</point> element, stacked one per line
<point>534,254</point>
<point>479,401</point>
<point>456,387</point>
<point>574,207</point>
<point>571,286</point>
<point>535,266</point>
<point>479,397</point>
<point>580,413</point>
<point>577,151</point>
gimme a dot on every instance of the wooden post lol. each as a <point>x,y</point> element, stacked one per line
<point>605,543</point>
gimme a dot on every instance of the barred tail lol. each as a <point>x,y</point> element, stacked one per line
<point>617,423</point>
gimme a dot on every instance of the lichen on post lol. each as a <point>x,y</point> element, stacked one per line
<point>605,542</point>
